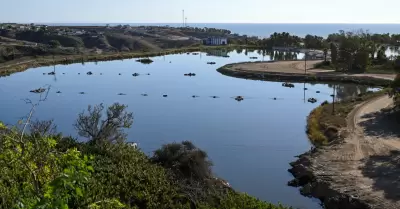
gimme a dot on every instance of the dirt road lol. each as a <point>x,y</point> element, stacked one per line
<point>366,165</point>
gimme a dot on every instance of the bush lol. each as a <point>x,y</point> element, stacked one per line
<point>314,128</point>
<point>184,159</point>
<point>34,174</point>
<point>54,43</point>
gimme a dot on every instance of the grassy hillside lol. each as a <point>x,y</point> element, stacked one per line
<point>44,38</point>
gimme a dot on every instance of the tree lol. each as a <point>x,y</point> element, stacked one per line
<point>54,43</point>
<point>334,54</point>
<point>325,53</point>
<point>110,128</point>
<point>397,63</point>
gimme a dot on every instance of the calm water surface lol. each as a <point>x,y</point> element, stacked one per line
<point>250,142</point>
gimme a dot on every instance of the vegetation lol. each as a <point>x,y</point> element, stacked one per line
<point>324,122</point>
<point>43,169</point>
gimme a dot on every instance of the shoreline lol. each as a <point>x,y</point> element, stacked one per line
<point>287,71</point>
<point>340,173</point>
<point>7,69</point>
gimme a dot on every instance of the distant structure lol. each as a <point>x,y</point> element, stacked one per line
<point>215,41</point>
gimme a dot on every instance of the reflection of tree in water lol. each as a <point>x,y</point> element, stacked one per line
<point>280,55</point>
<point>344,91</point>
<point>218,52</point>
<point>239,51</point>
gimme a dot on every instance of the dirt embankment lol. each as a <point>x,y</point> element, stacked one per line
<point>297,71</point>
<point>362,171</point>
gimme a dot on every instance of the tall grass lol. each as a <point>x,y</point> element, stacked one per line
<point>314,129</point>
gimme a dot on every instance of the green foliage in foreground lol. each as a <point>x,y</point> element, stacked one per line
<point>47,171</point>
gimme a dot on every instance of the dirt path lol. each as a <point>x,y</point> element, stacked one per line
<point>366,165</point>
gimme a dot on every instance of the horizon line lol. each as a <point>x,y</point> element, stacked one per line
<point>358,23</point>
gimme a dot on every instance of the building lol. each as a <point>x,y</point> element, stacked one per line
<point>215,41</point>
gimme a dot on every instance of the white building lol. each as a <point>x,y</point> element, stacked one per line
<point>215,41</point>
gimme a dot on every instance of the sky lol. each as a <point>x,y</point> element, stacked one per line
<point>200,11</point>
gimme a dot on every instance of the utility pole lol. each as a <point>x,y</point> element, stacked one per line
<point>304,89</point>
<point>183,18</point>
<point>185,21</point>
<point>305,65</point>
<point>334,95</point>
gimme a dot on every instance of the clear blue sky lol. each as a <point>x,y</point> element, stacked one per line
<point>200,11</point>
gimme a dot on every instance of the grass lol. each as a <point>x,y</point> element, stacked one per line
<point>314,132</point>
<point>326,65</point>
<point>323,125</point>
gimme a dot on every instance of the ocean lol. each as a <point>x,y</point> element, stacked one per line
<point>264,30</point>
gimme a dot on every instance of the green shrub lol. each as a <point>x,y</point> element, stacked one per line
<point>184,159</point>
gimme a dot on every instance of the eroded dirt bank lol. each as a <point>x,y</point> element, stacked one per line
<point>363,170</point>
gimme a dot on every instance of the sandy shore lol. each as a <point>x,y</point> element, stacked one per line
<point>296,67</point>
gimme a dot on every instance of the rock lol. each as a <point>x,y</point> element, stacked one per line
<point>89,73</point>
<point>82,92</point>
<point>253,58</point>
<point>165,95</point>
<point>215,97</point>
<point>79,73</point>
<point>290,85</point>
<point>312,100</point>
<point>211,63</point>
<point>145,95</point>
<point>305,88</point>
<point>121,94</point>
<point>58,92</point>
<point>63,73</point>
<point>274,98</point>
<point>317,92</point>
<point>135,74</point>
<point>239,98</point>
<point>51,73</point>
<point>44,73</point>
<point>145,61</point>
<point>101,73</point>
<point>38,91</point>
<point>194,96</point>
<point>119,73</point>
<point>148,74</point>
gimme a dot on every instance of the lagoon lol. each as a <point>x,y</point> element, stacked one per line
<point>250,142</point>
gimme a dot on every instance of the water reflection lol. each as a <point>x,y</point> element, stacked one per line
<point>345,91</point>
<point>265,54</point>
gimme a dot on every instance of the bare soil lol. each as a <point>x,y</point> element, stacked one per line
<point>366,165</point>
<point>297,67</point>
